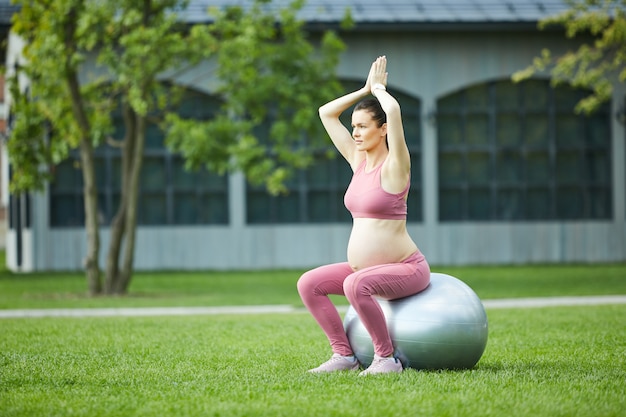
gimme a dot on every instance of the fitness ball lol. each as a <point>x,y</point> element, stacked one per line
<point>442,327</point>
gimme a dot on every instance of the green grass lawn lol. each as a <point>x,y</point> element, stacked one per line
<point>554,361</point>
<point>563,361</point>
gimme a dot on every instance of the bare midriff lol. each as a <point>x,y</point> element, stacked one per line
<point>377,241</point>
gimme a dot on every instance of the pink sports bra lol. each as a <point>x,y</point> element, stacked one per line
<point>365,197</point>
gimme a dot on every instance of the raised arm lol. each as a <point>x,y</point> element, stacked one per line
<point>397,167</point>
<point>339,134</point>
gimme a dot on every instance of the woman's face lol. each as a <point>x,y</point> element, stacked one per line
<point>365,131</point>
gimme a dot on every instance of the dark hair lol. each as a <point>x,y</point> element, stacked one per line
<point>372,106</point>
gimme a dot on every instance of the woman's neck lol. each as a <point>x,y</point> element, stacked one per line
<point>374,158</point>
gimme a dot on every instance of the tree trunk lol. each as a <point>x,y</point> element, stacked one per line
<point>131,208</point>
<point>118,225</point>
<point>92,268</point>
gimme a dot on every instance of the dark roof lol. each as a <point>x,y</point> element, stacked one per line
<point>389,12</point>
<point>406,11</point>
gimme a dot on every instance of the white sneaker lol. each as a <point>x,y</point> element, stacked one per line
<point>382,365</point>
<point>337,363</point>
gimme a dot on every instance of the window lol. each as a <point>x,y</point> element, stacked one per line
<point>316,194</point>
<point>519,152</point>
<point>169,194</point>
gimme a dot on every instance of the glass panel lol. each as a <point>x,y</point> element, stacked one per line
<point>451,205</point>
<point>450,131</point>
<point>411,124</point>
<point>66,210</point>
<point>477,130</point>
<point>599,129</point>
<point>152,209</point>
<point>67,176</point>
<point>153,174</point>
<point>416,170</point>
<point>479,204</point>
<point>258,207</point>
<point>262,130</point>
<point>536,95</point>
<point>451,169</point>
<point>198,105</point>
<point>288,208</point>
<point>566,97</point>
<point>116,173</point>
<point>119,130</point>
<point>181,177</point>
<point>185,208</point>
<point>508,129</point>
<point>569,203</point>
<point>414,206</point>
<point>538,168</point>
<point>570,131</point>
<point>450,103</point>
<point>598,167</point>
<point>213,209</point>
<point>510,204</point>
<point>477,97</point>
<point>321,174</point>
<point>154,137</point>
<point>509,167</point>
<point>344,173</point>
<point>536,132</point>
<point>212,181</point>
<point>569,167</point>
<point>507,96</point>
<point>343,215</point>
<point>104,211</point>
<point>478,168</point>
<point>115,202</point>
<point>600,203</point>
<point>99,165</point>
<point>321,207</point>
<point>538,204</point>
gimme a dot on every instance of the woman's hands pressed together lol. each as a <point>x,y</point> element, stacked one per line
<point>378,74</point>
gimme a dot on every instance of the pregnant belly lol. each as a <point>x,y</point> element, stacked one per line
<point>375,242</point>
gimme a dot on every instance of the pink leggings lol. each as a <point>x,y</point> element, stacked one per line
<point>388,281</point>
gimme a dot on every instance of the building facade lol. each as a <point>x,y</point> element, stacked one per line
<point>502,173</point>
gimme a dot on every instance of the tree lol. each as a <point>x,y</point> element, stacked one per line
<point>597,63</point>
<point>130,44</point>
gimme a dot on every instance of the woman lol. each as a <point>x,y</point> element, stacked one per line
<point>383,260</point>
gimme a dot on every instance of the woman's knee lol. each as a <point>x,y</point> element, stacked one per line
<point>352,287</point>
<point>324,280</point>
<point>306,283</point>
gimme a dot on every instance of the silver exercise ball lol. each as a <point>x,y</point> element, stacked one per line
<point>442,327</point>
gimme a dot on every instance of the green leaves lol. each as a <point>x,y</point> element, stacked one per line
<point>272,79</point>
<point>596,63</point>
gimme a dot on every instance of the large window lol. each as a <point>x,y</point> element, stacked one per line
<point>316,194</point>
<point>519,152</point>
<point>169,194</point>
